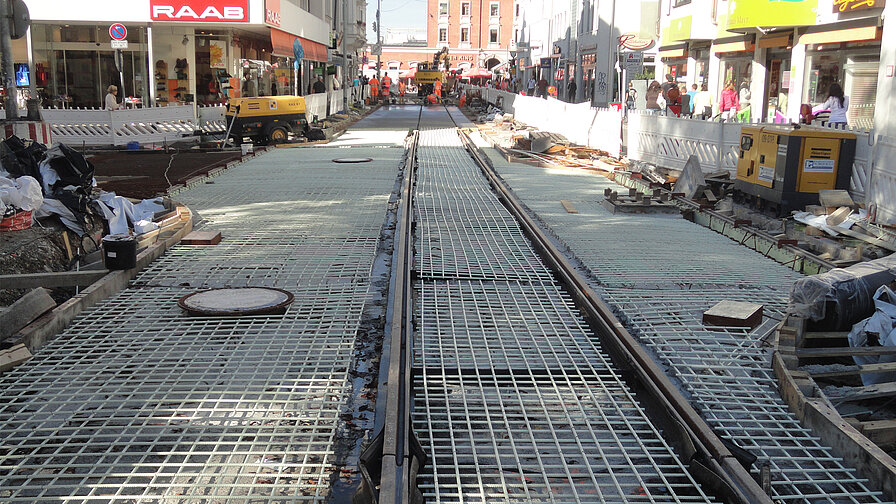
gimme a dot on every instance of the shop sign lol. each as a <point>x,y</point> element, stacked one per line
<point>634,42</point>
<point>228,11</point>
<point>748,14</point>
<point>857,5</point>
<point>633,61</point>
<point>545,62</point>
<point>272,12</point>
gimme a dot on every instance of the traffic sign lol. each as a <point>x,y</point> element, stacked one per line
<point>118,32</point>
<point>119,44</point>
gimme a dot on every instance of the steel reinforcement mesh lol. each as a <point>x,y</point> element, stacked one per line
<point>659,274</point>
<point>514,399</point>
<point>138,402</point>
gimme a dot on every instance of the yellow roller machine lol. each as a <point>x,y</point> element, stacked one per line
<point>786,166</point>
<point>266,119</point>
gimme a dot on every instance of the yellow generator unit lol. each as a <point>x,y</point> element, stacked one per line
<point>786,166</point>
<point>266,118</point>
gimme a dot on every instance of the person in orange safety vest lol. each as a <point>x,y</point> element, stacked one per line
<point>387,85</point>
<point>437,88</point>
<point>374,88</point>
<point>401,89</point>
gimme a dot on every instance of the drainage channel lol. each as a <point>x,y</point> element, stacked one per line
<point>659,275</point>
<point>512,393</point>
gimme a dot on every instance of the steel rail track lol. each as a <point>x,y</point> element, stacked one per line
<point>707,449</point>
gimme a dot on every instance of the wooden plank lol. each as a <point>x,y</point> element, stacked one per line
<point>568,207</point>
<point>868,239</point>
<point>854,370</point>
<point>808,353</point>
<point>835,198</point>
<point>826,335</point>
<point>27,308</point>
<point>863,393</point>
<point>881,432</point>
<point>12,357</point>
<point>68,247</point>
<point>733,314</point>
<point>202,238</point>
<point>54,279</point>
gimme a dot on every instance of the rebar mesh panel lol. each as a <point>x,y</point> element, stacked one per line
<point>138,402</point>
<point>542,438</point>
<point>514,400</point>
<point>659,274</point>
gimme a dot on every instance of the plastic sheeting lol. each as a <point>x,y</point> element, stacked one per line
<point>121,212</point>
<point>843,296</point>
<point>23,193</point>
<point>878,329</point>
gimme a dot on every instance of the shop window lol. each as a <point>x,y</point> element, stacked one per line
<point>465,8</point>
<point>494,9</point>
<point>679,3</point>
<point>443,8</point>
<point>443,34</point>
<point>493,36</point>
<point>465,35</point>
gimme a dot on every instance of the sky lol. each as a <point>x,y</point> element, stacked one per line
<point>396,14</point>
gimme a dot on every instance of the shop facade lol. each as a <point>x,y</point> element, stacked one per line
<point>198,52</point>
<point>778,59</point>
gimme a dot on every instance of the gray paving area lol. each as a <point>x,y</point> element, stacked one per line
<point>659,273</point>
<point>515,401</point>
<point>138,402</point>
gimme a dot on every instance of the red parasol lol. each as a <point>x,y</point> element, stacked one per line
<point>408,74</point>
<point>476,72</point>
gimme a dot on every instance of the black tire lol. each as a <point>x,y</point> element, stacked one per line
<point>278,134</point>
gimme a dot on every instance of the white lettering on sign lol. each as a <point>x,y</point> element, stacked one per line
<point>198,10</point>
<point>272,17</point>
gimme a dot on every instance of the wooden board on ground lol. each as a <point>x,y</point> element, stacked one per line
<point>867,392</point>
<point>883,367</point>
<point>568,207</point>
<point>12,357</point>
<point>49,280</point>
<point>21,313</point>
<point>835,198</point>
<point>808,353</point>
<point>733,314</point>
<point>881,432</point>
<point>202,238</point>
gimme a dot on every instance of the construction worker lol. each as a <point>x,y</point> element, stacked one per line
<point>437,88</point>
<point>374,88</point>
<point>387,86</point>
<point>401,90</point>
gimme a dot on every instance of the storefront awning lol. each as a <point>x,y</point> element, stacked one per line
<point>673,51</point>
<point>857,31</point>
<point>769,41</point>
<point>281,44</point>
<point>733,44</point>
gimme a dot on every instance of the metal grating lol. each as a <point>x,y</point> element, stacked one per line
<point>514,400</point>
<point>659,274</point>
<point>136,402</point>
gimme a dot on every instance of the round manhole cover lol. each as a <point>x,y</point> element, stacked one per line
<point>353,160</point>
<point>237,301</point>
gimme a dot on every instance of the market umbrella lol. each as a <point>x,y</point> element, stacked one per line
<point>408,74</point>
<point>476,72</point>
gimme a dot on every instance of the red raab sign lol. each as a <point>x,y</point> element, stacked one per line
<point>227,11</point>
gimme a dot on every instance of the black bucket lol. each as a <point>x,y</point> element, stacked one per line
<point>120,251</point>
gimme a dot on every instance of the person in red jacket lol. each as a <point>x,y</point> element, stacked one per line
<point>729,104</point>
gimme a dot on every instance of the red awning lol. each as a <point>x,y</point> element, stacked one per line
<point>476,72</point>
<point>281,44</point>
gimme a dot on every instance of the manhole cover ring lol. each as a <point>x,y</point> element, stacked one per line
<point>353,160</point>
<point>236,301</point>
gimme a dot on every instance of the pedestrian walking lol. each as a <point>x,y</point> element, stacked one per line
<point>684,101</point>
<point>571,91</point>
<point>318,86</point>
<point>655,101</point>
<point>530,88</point>
<point>692,94</point>
<point>631,97</point>
<point>729,103</point>
<point>542,86</point>
<point>703,103</point>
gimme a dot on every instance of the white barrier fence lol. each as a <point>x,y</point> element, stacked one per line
<point>162,124</point>
<point>603,130</point>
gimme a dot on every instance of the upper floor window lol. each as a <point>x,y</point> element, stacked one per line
<point>464,34</point>
<point>679,3</point>
<point>493,36</point>
<point>443,8</point>
<point>494,9</point>
<point>465,8</point>
<point>443,34</point>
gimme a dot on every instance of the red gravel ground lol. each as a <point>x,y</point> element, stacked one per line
<point>141,174</point>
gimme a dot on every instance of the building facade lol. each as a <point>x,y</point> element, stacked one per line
<point>476,32</point>
<point>781,58</point>
<point>182,51</point>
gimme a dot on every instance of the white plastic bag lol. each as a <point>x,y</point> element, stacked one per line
<point>883,325</point>
<point>23,192</point>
